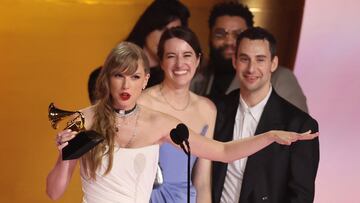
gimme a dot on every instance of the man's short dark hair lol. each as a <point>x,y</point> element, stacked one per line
<point>231,8</point>
<point>258,33</point>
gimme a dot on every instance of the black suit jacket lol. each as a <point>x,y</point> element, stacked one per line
<point>277,173</point>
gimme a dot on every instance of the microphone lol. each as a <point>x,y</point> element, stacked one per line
<point>177,139</point>
<point>179,135</point>
<point>183,132</point>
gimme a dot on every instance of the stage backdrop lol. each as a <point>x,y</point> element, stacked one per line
<point>328,66</point>
<point>49,47</point>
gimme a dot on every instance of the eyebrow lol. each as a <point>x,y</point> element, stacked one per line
<point>185,52</point>
<point>261,56</point>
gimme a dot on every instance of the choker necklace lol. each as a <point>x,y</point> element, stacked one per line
<point>176,109</point>
<point>134,110</point>
<point>126,113</point>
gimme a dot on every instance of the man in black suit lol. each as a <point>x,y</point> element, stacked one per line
<point>277,174</point>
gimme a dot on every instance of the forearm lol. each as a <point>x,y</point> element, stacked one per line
<point>229,151</point>
<point>59,178</point>
<point>202,180</point>
<point>203,195</point>
<point>238,149</point>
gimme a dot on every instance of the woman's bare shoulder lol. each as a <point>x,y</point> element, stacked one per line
<point>157,117</point>
<point>203,103</point>
<point>149,96</point>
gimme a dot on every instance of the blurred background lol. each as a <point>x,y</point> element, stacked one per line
<point>49,47</point>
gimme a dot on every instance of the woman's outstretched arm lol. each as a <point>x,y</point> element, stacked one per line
<point>59,177</point>
<point>234,150</point>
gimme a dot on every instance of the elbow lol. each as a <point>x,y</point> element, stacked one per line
<point>225,157</point>
<point>54,192</point>
<point>53,195</point>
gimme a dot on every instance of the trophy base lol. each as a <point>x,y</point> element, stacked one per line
<point>80,144</point>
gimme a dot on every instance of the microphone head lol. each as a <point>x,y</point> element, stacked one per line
<point>182,131</point>
<point>175,137</point>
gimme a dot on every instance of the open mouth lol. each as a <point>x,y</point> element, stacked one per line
<point>125,96</point>
<point>180,72</point>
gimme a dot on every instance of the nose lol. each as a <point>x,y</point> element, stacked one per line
<point>230,39</point>
<point>125,83</point>
<point>179,61</point>
<point>251,67</point>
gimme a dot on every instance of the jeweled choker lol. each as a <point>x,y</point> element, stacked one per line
<point>126,113</point>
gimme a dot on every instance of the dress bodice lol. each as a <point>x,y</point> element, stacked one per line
<point>173,164</point>
<point>130,179</point>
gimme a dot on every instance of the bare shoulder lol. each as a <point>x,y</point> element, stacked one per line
<point>149,96</point>
<point>157,118</point>
<point>203,103</point>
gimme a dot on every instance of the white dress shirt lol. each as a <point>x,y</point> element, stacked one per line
<point>246,121</point>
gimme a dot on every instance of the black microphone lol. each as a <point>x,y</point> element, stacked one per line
<point>179,135</point>
<point>177,139</point>
<point>183,133</point>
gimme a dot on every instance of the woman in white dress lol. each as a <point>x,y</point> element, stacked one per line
<point>122,168</point>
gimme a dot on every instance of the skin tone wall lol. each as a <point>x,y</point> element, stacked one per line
<point>327,67</point>
<point>48,49</point>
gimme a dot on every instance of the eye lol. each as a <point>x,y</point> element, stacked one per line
<point>170,56</point>
<point>220,33</point>
<point>260,59</point>
<point>135,77</point>
<point>118,75</point>
<point>187,55</point>
<point>244,59</point>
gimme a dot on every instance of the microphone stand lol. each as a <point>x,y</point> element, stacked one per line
<point>188,173</point>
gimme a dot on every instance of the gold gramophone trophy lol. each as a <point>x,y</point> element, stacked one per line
<point>83,141</point>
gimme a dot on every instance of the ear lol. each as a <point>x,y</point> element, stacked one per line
<point>274,64</point>
<point>147,76</point>
<point>234,61</point>
<point>198,59</point>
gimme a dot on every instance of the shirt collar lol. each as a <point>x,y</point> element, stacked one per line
<point>256,110</point>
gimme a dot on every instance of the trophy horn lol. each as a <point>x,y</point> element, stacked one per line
<point>84,140</point>
<point>55,115</point>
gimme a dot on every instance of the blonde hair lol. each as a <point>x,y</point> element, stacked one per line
<point>124,58</point>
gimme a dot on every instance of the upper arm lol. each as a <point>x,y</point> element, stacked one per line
<point>304,164</point>
<point>287,86</point>
<point>202,168</point>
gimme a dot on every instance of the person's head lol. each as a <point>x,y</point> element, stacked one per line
<point>161,14</point>
<point>179,52</point>
<point>255,60</point>
<point>123,76</point>
<point>91,85</point>
<point>227,20</point>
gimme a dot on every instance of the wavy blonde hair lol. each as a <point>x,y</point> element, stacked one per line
<point>124,58</point>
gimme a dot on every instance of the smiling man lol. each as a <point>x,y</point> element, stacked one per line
<point>275,174</point>
<point>227,20</point>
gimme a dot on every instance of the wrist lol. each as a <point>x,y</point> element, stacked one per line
<point>271,136</point>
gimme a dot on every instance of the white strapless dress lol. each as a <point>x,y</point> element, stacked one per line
<point>129,181</point>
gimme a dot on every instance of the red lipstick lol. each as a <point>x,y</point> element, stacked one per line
<point>125,96</point>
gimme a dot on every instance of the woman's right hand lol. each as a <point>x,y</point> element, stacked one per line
<point>286,137</point>
<point>63,137</point>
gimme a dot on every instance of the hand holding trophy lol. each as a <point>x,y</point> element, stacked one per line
<point>84,140</point>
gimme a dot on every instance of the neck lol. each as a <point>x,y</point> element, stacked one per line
<point>153,62</point>
<point>125,113</point>
<point>252,98</point>
<point>177,98</point>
